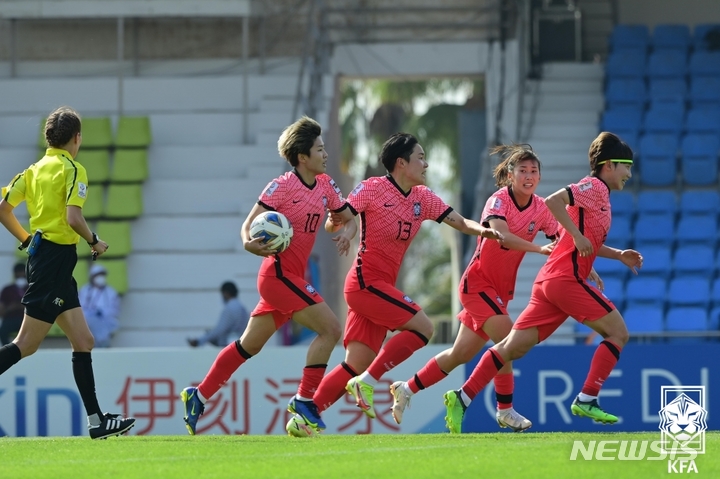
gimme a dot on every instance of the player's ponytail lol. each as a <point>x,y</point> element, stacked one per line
<point>511,155</point>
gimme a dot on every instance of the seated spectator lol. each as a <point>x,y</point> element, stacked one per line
<point>11,309</point>
<point>232,322</point>
<point>101,306</point>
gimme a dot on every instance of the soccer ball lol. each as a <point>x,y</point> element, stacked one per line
<point>297,427</point>
<point>274,228</point>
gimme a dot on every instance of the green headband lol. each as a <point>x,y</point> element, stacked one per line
<point>615,160</point>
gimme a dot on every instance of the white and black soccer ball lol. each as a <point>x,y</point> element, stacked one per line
<point>274,228</point>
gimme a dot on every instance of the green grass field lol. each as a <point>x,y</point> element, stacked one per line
<point>497,456</point>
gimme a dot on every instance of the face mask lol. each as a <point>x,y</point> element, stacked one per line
<point>21,282</point>
<point>100,280</point>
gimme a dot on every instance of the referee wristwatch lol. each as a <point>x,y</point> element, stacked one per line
<point>95,240</point>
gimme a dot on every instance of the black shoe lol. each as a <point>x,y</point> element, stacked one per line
<point>112,425</point>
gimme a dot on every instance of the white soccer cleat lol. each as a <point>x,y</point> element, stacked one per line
<point>512,419</point>
<point>297,427</point>
<point>401,400</point>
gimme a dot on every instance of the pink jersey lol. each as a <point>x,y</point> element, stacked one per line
<point>305,206</point>
<point>589,209</point>
<point>389,220</point>
<point>497,265</point>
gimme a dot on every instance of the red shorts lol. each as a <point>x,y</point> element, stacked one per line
<point>283,297</point>
<point>478,307</point>
<point>554,300</point>
<point>374,311</point>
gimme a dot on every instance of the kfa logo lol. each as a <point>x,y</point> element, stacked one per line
<point>325,202</point>
<point>683,422</point>
<point>531,227</point>
<point>416,210</point>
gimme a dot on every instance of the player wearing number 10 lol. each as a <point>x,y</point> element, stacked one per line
<point>303,195</point>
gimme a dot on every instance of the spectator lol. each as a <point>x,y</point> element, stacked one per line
<point>11,309</point>
<point>232,323</point>
<point>101,306</point>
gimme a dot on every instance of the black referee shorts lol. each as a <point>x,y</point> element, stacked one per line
<point>52,290</point>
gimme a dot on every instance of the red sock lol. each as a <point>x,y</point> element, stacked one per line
<point>604,360</point>
<point>430,374</point>
<point>332,387</point>
<point>488,367</point>
<point>312,375</point>
<point>226,363</point>
<point>504,385</point>
<point>398,349</point>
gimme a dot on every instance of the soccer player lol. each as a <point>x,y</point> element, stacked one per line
<point>392,209</point>
<point>55,189</point>
<point>561,290</point>
<point>303,195</point>
<point>488,283</point>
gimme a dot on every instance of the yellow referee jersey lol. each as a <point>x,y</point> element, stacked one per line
<point>48,187</point>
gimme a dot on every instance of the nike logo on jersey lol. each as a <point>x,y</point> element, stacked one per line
<point>386,205</point>
<point>296,201</point>
<point>603,209</point>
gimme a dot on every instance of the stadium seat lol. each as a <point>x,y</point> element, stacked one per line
<point>615,291</point>
<point>610,268</point>
<point>124,201</point>
<point>658,229</point>
<point>644,291</point>
<point>664,118</point>
<point>700,202</point>
<point>133,132</point>
<point>622,205</point>
<point>96,133</point>
<point>658,159</point>
<point>693,260</point>
<point>129,166</point>
<point>716,292</point>
<point>626,64</point>
<point>657,202</point>
<point>629,36</point>
<point>626,91</point>
<point>671,37</point>
<point>667,90</point>
<point>703,120</point>
<point>620,233</point>
<point>96,163</point>
<point>686,320</point>
<point>701,37</point>
<point>93,207</point>
<point>117,235</point>
<point>622,119</point>
<point>632,138</point>
<point>697,229</point>
<point>644,319</point>
<point>667,64</point>
<point>81,272</point>
<point>705,63</point>
<point>699,163</point>
<point>705,92</point>
<point>117,273</point>
<point>714,320</point>
<point>689,291</point>
<point>657,260</point>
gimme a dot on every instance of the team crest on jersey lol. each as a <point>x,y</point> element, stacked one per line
<point>531,227</point>
<point>499,301</point>
<point>271,188</point>
<point>407,298</point>
<point>416,210</point>
<point>82,190</point>
<point>357,189</point>
<point>585,186</point>
<point>325,202</point>
<point>310,289</point>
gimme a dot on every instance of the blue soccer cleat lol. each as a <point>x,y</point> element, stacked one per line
<point>308,411</point>
<point>193,408</point>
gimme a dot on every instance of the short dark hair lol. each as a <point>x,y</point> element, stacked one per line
<point>229,288</point>
<point>61,126</point>
<point>19,267</point>
<point>400,145</point>
<point>298,139</point>
<point>607,146</point>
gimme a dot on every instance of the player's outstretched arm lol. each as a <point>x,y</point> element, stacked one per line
<point>10,221</point>
<point>511,241</point>
<point>254,245</point>
<point>470,227</point>
<point>556,203</point>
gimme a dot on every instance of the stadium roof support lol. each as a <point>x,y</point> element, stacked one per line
<point>36,9</point>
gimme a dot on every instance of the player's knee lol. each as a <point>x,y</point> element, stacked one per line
<point>334,331</point>
<point>622,337</point>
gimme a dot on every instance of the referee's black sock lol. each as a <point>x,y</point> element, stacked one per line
<point>9,355</point>
<point>85,380</point>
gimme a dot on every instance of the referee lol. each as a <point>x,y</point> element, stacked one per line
<point>55,189</point>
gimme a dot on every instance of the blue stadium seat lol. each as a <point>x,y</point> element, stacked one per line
<point>644,319</point>
<point>642,291</point>
<point>622,119</point>
<point>654,229</point>
<point>622,205</point>
<point>659,202</point>
<point>629,36</point>
<point>700,32</point>
<point>665,118</point>
<point>620,233</point>
<point>700,202</point>
<point>703,120</point>
<point>705,92</point>
<point>664,90</point>
<point>686,319</point>
<point>714,320</point>
<point>697,229</point>
<point>631,137</point>
<point>699,163</point>
<point>626,64</point>
<point>689,291</point>
<point>615,291</point>
<point>667,64</point>
<point>705,63</point>
<point>610,268</point>
<point>716,293</point>
<point>658,159</point>
<point>666,37</point>
<point>657,260</point>
<point>694,260</point>
<point>625,91</point>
